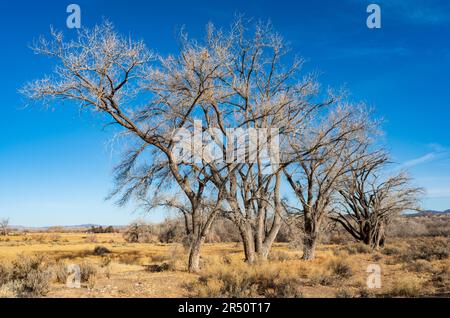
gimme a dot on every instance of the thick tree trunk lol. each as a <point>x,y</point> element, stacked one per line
<point>309,246</point>
<point>194,255</point>
<point>310,239</point>
<point>373,236</point>
<point>249,244</point>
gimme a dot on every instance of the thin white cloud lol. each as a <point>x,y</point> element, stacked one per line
<point>438,153</point>
<point>437,147</point>
<point>418,161</point>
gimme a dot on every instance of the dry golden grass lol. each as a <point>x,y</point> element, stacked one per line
<point>159,270</point>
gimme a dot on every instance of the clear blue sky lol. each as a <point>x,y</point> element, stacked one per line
<point>55,164</point>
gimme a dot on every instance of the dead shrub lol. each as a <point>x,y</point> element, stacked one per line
<point>420,266</point>
<point>340,268</point>
<point>321,279</point>
<point>4,274</point>
<point>406,287</point>
<point>420,225</point>
<point>364,292</point>
<point>164,267</point>
<point>87,272</point>
<point>404,226</point>
<point>441,280</point>
<point>247,281</point>
<point>101,250</point>
<point>435,249</point>
<point>391,250</point>
<point>377,257</point>
<point>61,272</point>
<point>30,276</point>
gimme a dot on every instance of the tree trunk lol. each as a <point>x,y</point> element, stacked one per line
<point>249,244</point>
<point>259,235</point>
<point>310,239</point>
<point>309,246</point>
<point>264,251</point>
<point>194,255</point>
<point>377,238</point>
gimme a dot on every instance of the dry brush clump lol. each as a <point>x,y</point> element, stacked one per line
<point>101,250</point>
<point>26,276</point>
<point>334,272</point>
<point>88,272</point>
<point>441,280</point>
<point>410,286</point>
<point>60,271</point>
<point>420,266</point>
<point>427,249</point>
<point>266,280</point>
<point>421,224</point>
<point>340,268</point>
<point>4,274</point>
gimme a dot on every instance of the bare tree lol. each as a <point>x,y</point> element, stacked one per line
<point>139,231</point>
<point>264,90</point>
<point>4,226</point>
<point>325,154</point>
<point>369,201</point>
<point>109,74</point>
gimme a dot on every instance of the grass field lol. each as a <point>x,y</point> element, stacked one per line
<point>409,268</point>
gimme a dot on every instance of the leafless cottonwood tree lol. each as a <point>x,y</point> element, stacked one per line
<point>110,75</point>
<point>328,148</point>
<point>4,226</point>
<point>264,90</point>
<point>369,201</point>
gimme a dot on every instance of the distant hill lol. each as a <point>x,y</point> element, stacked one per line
<point>65,227</point>
<point>429,213</point>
